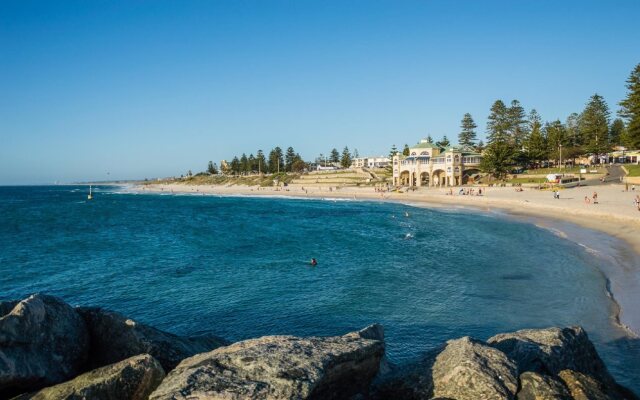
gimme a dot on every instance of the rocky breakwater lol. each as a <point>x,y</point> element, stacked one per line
<point>50,350</point>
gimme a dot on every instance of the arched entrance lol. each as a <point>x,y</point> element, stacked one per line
<point>424,179</point>
<point>405,178</point>
<point>439,178</point>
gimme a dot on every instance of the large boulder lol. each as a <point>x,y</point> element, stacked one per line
<point>131,379</point>
<point>115,338</point>
<point>43,341</point>
<point>585,387</point>
<point>551,350</point>
<point>280,367</point>
<point>463,369</point>
<point>534,386</point>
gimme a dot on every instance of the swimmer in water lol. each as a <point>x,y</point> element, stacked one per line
<point>314,262</point>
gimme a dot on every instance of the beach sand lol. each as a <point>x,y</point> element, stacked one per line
<point>614,215</point>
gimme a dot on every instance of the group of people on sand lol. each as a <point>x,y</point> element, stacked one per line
<point>466,192</point>
<point>594,197</point>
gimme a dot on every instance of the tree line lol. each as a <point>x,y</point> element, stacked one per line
<point>278,161</point>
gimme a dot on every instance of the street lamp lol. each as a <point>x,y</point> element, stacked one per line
<point>560,164</point>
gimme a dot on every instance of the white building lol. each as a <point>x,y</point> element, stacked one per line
<point>370,162</point>
<point>430,165</point>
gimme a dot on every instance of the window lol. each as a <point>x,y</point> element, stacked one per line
<point>413,153</point>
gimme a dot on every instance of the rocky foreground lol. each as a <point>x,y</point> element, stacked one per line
<point>50,350</point>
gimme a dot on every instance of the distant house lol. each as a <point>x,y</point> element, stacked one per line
<point>370,162</point>
<point>430,165</point>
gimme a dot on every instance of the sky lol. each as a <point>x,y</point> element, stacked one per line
<point>100,90</point>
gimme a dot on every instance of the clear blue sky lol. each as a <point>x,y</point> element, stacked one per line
<point>154,88</point>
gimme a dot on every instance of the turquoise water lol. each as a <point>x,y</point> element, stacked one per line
<point>238,267</point>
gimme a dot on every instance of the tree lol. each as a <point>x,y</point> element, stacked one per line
<point>594,125</point>
<point>235,166</point>
<point>573,130</point>
<point>498,123</point>
<point>496,159</point>
<point>480,146</point>
<point>276,162</point>
<point>253,164</point>
<point>212,168</point>
<point>245,168</point>
<point>345,160</point>
<point>392,153</point>
<point>630,110</point>
<point>405,150</point>
<point>334,157</point>
<point>261,162</point>
<point>355,153</point>
<point>556,137</point>
<point>616,132</point>
<point>444,142</point>
<point>429,139</point>
<point>467,135</point>
<point>535,146</point>
<point>518,124</point>
<point>289,157</point>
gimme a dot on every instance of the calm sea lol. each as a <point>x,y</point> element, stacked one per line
<point>238,267</point>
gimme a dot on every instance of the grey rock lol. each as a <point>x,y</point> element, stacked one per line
<point>131,379</point>
<point>115,338</point>
<point>463,369</point>
<point>279,367</point>
<point>584,387</point>
<point>534,386</point>
<point>43,341</point>
<point>551,350</point>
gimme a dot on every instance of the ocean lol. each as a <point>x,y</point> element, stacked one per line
<point>239,267</point>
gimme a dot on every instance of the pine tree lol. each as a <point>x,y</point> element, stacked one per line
<point>275,161</point>
<point>406,151</point>
<point>467,135</point>
<point>345,160</point>
<point>212,168</point>
<point>235,166</point>
<point>261,162</point>
<point>518,124</point>
<point>594,125</point>
<point>429,139</point>
<point>444,142</point>
<point>496,159</point>
<point>498,123</point>
<point>556,137</point>
<point>392,153</point>
<point>244,164</point>
<point>630,111</point>
<point>289,158</point>
<point>355,153</point>
<point>536,146</point>
<point>335,156</point>
<point>480,146</point>
<point>253,165</point>
<point>616,132</point>
<point>573,130</point>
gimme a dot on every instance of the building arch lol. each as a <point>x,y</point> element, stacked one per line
<point>405,178</point>
<point>424,179</point>
<point>439,177</point>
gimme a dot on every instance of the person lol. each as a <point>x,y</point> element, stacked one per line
<point>314,262</point>
<point>586,200</point>
<point>595,198</point>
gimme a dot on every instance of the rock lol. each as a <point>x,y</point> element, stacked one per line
<point>115,338</point>
<point>280,367</point>
<point>43,341</point>
<point>132,379</point>
<point>534,386</point>
<point>584,387</point>
<point>463,369</point>
<point>549,351</point>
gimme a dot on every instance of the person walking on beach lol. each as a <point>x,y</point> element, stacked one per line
<point>595,198</point>
<point>586,200</point>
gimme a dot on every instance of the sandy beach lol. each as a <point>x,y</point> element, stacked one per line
<point>614,214</point>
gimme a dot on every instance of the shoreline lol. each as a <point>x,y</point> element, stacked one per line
<point>612,219</point>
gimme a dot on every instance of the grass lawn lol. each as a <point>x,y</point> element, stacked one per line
<point>527,180</point>
<point>634,170</point>
<point>555,170</point>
